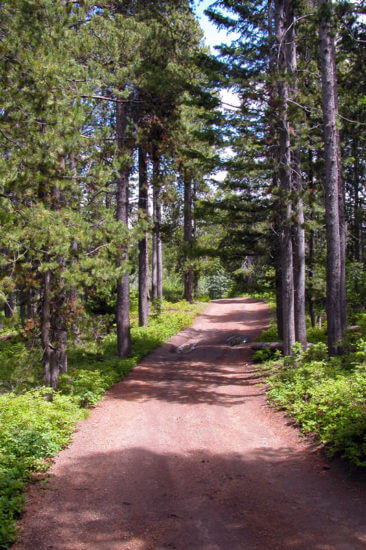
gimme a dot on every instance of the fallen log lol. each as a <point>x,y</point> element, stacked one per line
<point>270,345</point>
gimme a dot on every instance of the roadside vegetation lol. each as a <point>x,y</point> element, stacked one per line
<point>325,395</point>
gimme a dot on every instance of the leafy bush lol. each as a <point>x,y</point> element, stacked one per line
<point>173,288</point>
<point>215,285</point>
<point>327,396</point>
<point>317,334</point>
<point>269,335</point>
<point>32,429</point>
<point>263,355</point>
<point>19,367</point>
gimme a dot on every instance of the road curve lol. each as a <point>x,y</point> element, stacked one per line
<point>186,454</point>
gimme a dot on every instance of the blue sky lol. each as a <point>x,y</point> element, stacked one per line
<point>212,35</point>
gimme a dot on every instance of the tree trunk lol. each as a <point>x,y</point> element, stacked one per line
<point>9,306</point>
<point>32,300</point>
<point>123,285</point>
<point>46,328</point>
<point>274,157</point>
<point>279,301</point>
<point>157,281</point>
<point>310,278</point>
<point>296,184</point>
<point>159,257</point>
<point>285,184</point>
<point>341,204</point>
<point>22,306</point>
<point>188,238</point>
<point>335,280</point>
<point>356,201</point>
<point>74,259</point>
<point>58,334</point>
<point>143,243</point>
<point>310,292</point>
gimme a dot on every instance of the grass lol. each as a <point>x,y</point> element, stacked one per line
<point>34,429</point>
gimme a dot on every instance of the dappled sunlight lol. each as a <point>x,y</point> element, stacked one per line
<point>213,372</point>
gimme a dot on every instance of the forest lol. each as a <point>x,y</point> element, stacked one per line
<point>132,192</point>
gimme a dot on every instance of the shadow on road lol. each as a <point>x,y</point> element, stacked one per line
<point>140,499</point>
<point>213,373</point>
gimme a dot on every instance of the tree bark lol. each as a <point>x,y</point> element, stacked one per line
<point>123,284</point>
<point>157,267</point>
<point>341,203</point>
<point>46,328</point>
<point>356,202</point>
<point>279,301</point>
<point>285,184</point>
<point>9,306</point>
<point>159,256</point>
<point>74,259</point>
<point>143,243</point>
<point>335,279</point>
<point>188,239</point>
<point>296,184</point>
<point>58,333</point>
<point>22,306</point>
<point>274,156</point>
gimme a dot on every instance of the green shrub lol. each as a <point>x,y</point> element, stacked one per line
<point>19,367</point>
<point>269,335</point>
<point>32,429</point>
<point>317,334</point>
<point>215,285</point>
<point>263,355</point>
<point>173,288</point>
<point>327,396</point>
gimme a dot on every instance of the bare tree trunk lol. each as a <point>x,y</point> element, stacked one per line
<point>143,243</point>
<point>310,292</point>
<point>157,282</point>
<point>356,202</point>
<point>22,308</point>
<point>32,300</point>
<point>59,332</point>
<point>341,204</point>
<point>335,280</point>
<point>74,260</point>
<point>286,188</point>
<point>56,296</point>
<point>159,256</point>
<point>9,306</point>
<point>296,183</point>
<point>123,285</point>
<point>310,278</point>
<point>275,155</point>
<point>279,300</point>
<point>46,328</point>
<point>188,238</point>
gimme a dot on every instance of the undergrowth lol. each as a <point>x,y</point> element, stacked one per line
<point>33,428</point>
<point>326,396</point>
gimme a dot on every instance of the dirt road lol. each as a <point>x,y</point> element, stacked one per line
<point>185,454</point>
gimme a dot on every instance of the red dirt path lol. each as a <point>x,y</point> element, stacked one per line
<point>186,454</point>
